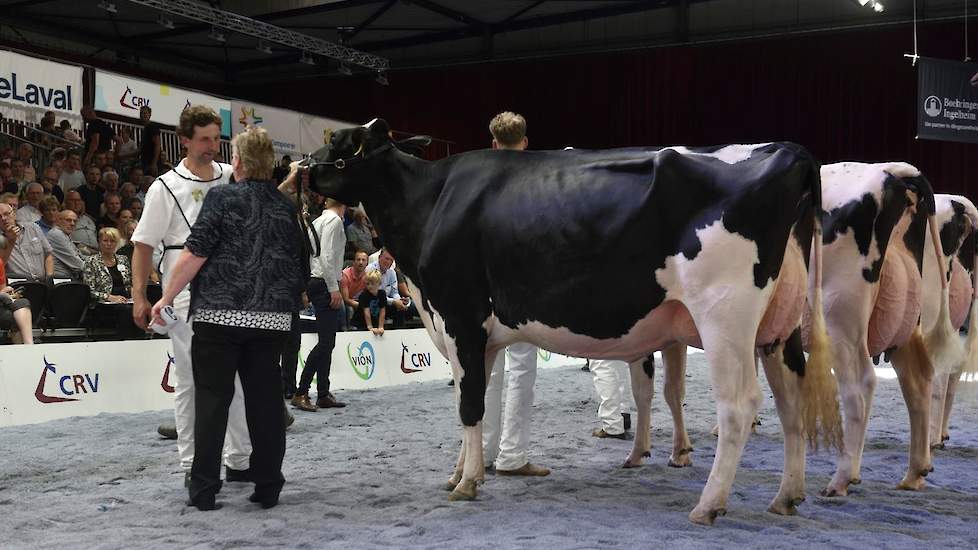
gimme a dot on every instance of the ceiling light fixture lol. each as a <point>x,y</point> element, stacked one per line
<point>165,21</point>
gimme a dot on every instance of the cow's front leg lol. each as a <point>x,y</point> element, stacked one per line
<point>642,373</point>
<point>674,389</point>
<point>786,386</point>
<point>470,353</point>
<point>915,372</point>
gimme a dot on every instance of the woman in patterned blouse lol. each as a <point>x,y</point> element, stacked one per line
<point>247,265</point>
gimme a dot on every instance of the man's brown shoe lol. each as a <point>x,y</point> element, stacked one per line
<point>599,432</point>
<point>301,402</point>
<point>328,402</point>
<point>528,469</point>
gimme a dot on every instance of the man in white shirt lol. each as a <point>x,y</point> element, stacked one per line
<point>397,305</point>
<point>72,176</point>
<point>325,272</point>
<point>29,212</point>
<point>171,207</point>
<point>506,438</point>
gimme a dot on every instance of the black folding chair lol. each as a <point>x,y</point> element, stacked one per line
<point>69,304</point>
<point>36,293</point>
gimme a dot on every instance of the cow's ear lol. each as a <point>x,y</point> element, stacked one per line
<point>379,129</point>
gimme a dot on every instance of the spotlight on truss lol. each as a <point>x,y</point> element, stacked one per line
<point>381,78</point>
<point>217,35</point>
<point>165,21</point>
<point>875,5</point>
<point>108,6</point>
<point>263,47</point>
<point>307,59</point>
<point>344,70</point>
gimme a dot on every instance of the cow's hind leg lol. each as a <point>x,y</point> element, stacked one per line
<point>467,354</point>
<point>674,388</point>
<point>782,368</point>
<point>939,394</point>
<point>915,371</point>
<point>952,386</point>
<point>857,384</point>
<point>729,348</point>
<point>642,373</point>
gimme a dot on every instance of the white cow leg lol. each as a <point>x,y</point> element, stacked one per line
<point>642,393</point>
<point>786,386</point>
<point>857,383</point>
<point>952,386</point>
<point>473,465</point>
<point>674,388</point>
<point>731,357</point>
<point>938,397</point>
<point>915,372</point>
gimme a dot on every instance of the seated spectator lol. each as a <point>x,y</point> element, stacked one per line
<point>72,176</point>
<point>67,260</point>
<point>126,152</point>
<point>134,205</point>
<point>10,199</point>
<point>92,193</point>
<point>361,232</point>
<point>397,306</point>
<point>112,206</point>
<point>30,257</point>
<point>49,214</point>
<point>15,312</point>
<point>109,278</point>
<point>352,282</point>
<point>128,192</point>
<point>85,235</point>
<point>17,171</point>
<point>68,134</point>
<point>50,184</point>
<point>30,211</point>
<point>109,159</point>
<point>7,178</point>
<point>110,181</point>
<point>25,152</point>
<point>371,307</point>
<point>127,229</point>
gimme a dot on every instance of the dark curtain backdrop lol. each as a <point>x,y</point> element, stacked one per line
<point>846,96</point>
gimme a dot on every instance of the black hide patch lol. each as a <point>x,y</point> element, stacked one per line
<point>954,229</point>
<point>794,354</point>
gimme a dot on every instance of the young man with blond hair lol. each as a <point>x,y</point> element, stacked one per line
<point>506,437</point>
<point>171,208</point>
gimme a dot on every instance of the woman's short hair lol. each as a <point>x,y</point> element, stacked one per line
<point>372,277</point>
<point>113,233</point>
<point>49,202</point>
<point>255,151</point>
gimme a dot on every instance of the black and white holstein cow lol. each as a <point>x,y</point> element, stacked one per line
<point>507,246</point>
<point>958,222</point>
<point>875,235</point>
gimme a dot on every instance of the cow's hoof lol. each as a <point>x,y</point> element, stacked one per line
<point>832,491</point>
<point>927,470</point>
<point>911,484</point>
<point>785,507</point>
<point>945,436</point>
<point>706,516</point>
<point>683,461</point>
<point>464,491</point>
<point>855,481</point>
<point>636,461</point>
<point>937,446</point>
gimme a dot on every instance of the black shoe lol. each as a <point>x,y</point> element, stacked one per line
<point>205,504</point>
<point>266,502</point>
<point>231,475</point>
<point>451,382</point>
<point>168,431</point>
<point>628,420</point>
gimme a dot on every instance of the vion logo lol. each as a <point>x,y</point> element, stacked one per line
<point>71,384</point>
<point>165,383</point>
<point>362,359</point>
<point>130,100</point>
<point>418,360</point>
<point>34,94</point>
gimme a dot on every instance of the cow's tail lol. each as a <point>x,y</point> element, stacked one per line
<point>820,405</point>
<point>943,342</point>
<point>971,343</point>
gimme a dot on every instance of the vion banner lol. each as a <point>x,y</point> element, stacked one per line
<point>947,102</point>
<point>30,86</point>
<point>124,95</point>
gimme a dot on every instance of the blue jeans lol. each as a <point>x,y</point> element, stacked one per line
<point>320,359</point>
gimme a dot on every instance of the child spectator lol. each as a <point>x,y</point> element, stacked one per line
<point>371,306</point>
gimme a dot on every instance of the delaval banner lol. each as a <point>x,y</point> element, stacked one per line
<point>947,107</point>
<point>31,86</point>
<point>124,95</point>
<point>282,125</point>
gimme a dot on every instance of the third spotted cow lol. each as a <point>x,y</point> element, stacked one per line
<point>507,246</point>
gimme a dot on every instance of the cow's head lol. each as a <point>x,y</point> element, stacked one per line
<point>333,169</point>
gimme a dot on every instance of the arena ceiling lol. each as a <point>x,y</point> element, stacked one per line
<point>418,33</point>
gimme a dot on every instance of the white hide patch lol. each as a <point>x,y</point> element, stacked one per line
<point>723,268</point>
<point>731,154</point>
<point>844,182</point>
